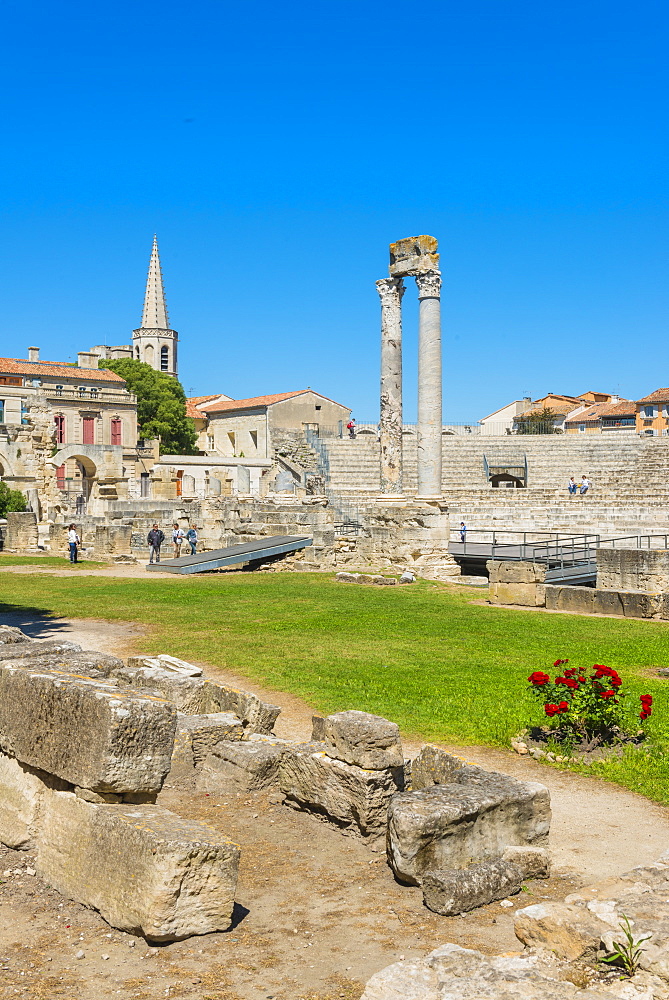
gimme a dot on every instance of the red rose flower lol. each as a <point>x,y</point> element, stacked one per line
<point>582,680</point>
<point>564,706</point>
<point>551,710</point>
<point>646,700</point>
<point>538,678</point>
<point>608,694</point>
<point>570,673</point>
<point>644,715</point>
<point>558,663</point>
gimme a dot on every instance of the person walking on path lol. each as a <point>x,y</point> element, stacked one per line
<point>191,538</point>
<point>178,536</point>
<point>350,427</point>
<point>463,532</point>
<point>572,485</point>
<point>585,484</point>
<point>73,542</point>
<point>155,539</point>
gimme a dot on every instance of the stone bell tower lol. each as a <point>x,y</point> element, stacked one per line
<point>154,342</point>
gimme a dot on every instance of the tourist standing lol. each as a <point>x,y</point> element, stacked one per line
<point>177,539</point>
<point>73,542</point>
<point>585,484</point>
<point>350,427</point>
<point>191,538</point>
<point>155,539</point>
<point>572,485</point>
<point>463,532</point>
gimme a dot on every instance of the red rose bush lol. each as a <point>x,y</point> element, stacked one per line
<point>590,704</point>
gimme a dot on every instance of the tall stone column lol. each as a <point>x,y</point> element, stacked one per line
<point>391,291</point>
<point>429,385</point>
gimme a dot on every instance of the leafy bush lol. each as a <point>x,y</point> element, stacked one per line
<point>11,500</point>
<point>588,703</point>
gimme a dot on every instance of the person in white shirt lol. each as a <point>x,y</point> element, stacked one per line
<point>585,484</point>
<point>178,536</point>
<point>73,542</point>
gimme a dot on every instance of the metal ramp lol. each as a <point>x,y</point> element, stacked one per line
<point>256,551</point>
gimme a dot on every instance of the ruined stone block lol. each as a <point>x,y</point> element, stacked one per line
<point>576,599</point>
<point>257,716</point>
<point>433,766</point>
<point>86,732</point>
<point>413,255</point>
<point>470,820</point>
<point>11,635</point>
<point>369,741</point>
<point>44,647</point>
<point>347,795</point>
<point>205,731</point>
<point>87,663</point>
<point>452,891</point>
<point>534,862</point>
<point>164,662</point>
<point>569,931</point>
<point>187,693</point>
<point>246,766</point>
<point>144,869</point>
<point>21,791</point>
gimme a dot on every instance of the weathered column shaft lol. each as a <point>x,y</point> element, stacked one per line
<point>429,385</point>
<point>391,291</point>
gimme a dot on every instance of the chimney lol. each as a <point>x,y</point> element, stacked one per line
<point>33,354</point>
<point>527,402</point>
<point>86,359</point>
<point>615,398</point>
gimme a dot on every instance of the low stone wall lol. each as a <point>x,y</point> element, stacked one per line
<point>593,601</point>
<point>21,532</point>
<point>633,569</point>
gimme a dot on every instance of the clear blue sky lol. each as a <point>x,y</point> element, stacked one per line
<point>277,148</point>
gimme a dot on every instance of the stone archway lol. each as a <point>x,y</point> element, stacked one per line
<point>76,474</point>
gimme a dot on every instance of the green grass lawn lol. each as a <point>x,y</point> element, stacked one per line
<point>57,562</point>
<point>422,655</point>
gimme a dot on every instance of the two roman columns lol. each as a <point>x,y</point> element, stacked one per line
<point>415,257</point>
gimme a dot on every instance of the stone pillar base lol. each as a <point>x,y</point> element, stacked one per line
<point>430,498</point>
<point>392,498</point>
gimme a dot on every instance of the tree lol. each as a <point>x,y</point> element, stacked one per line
<point>161,406</point>
<point>538,422</point>
<point>11,500</point>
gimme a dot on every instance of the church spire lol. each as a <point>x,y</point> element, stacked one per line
<point>154,315</point>
<point>154,342</point>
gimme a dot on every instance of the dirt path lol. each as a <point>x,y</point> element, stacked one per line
<point>317,913</point>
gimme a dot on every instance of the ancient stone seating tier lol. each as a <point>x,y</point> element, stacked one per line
<point>77,784</point>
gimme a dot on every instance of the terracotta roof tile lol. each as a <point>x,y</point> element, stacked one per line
<point>659,396</point>
<point>57,369</point>
<point>192,406</point>
<point>242,404</point>
<point>624,408</point>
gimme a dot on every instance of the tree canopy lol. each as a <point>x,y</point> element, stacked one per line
<point>538,422</point>
<point>11,500</point>
<point>161,405</point>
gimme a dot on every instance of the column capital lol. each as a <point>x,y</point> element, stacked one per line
<point>429,285</point>
<point>390,290</point>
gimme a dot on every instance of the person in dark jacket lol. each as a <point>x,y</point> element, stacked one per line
<point>155,539</point>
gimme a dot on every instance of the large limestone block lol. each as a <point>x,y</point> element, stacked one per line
<point>146,870</point>
<point>86,732</point>
<point>363,739</point>
<point>244,766</point>
<point>48,647</point>
<point>567,930</point>
<point>21,791</point>
<point>454,973</point>
<point>529,595</point>
<point>86,663</point>
<point>453,891</point>
<point>349,796</point>
<point>470,820</point>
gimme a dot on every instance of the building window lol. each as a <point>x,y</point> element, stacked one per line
<point>137,353</point>
<point>2,411</point>
<point>60,477</point>
<point>116,431</point>
<point>581,428</point>
<point>318,407</point>
<point>649,411</point>
<point>59,421</point>
<point>59,390</point>
<point>254,439</point>
<point>164,359</point>
<point>88,425</point>
<point>25,419</point>
<point>210,442</point>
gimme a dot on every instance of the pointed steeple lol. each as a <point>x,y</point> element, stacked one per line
<point>154,342</point>
<point>154,315</point>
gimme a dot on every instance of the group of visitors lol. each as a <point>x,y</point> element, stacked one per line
<point>580,488</point>
<point>156,537</point>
